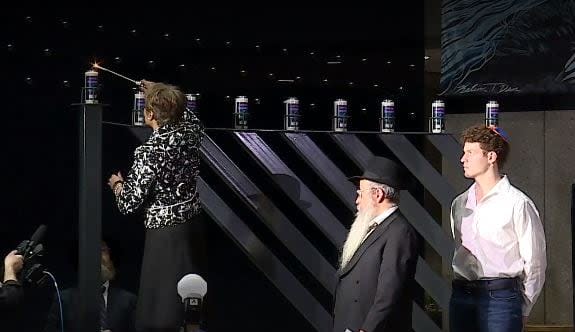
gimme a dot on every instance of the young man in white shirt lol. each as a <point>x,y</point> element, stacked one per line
<point>499,261</point>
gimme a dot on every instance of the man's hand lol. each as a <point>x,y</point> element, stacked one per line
<point>525,319</point>
<point>12,265</point>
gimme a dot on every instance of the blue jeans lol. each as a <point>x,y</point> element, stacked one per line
<point>481,310</point>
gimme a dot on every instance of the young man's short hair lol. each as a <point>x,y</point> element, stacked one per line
<point>489,140</point>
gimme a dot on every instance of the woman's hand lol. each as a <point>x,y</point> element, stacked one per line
<point>116,182</point>
<point>145,85</point>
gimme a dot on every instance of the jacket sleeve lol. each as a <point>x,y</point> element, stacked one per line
<point>53,323</point>
<point>132,313</point>
<point>140,179</point>
<point>397,269</point>
<point>11,294</point>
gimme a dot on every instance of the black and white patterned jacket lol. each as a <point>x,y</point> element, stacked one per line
<point>163,176</point>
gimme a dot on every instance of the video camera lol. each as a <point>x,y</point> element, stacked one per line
<point>32,273</point>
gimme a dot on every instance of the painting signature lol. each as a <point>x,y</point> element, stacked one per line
<point>490,88</point>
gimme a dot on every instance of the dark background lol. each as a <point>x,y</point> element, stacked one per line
<point>218,53</point>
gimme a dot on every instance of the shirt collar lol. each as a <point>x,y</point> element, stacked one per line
<point>500,187</point>
<point>166,129</point>
<point>380,218</point>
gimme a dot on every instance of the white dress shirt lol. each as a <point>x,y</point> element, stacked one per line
<point>106,286</point>
<point>500,236</point>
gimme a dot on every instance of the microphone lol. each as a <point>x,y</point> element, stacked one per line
<point>38,234</point>
<point>28,248</point>
<point>32,272</point>
<point>192,289</point>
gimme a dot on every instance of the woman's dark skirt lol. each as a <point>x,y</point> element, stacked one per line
<point>169,254</point>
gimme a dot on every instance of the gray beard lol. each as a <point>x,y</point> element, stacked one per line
<point>356,234</point>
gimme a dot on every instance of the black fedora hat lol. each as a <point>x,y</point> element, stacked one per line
<point>385,171</point>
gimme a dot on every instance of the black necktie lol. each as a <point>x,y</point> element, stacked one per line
<point>372,227</point>
<point>369,229</point>
<point>103,311</point>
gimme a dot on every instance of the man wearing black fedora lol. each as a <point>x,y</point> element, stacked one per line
<point>377,268</point>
